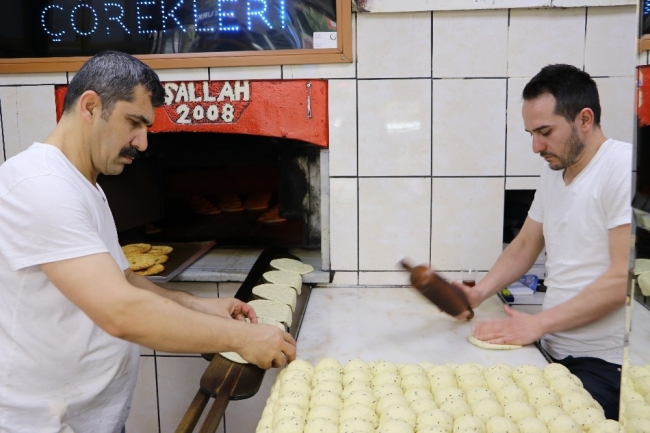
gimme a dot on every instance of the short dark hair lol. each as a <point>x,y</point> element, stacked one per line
<point>572,89</point>
<point>113,76</point>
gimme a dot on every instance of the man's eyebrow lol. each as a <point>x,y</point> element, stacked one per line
<point>141,119</point>
<point>539,128</point>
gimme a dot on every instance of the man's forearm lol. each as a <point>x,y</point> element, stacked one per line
<point>178,296</point>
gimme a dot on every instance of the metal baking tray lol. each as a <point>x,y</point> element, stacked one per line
<point>184,254</point>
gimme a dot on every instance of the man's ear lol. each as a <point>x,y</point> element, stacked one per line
<point>89,106</point>
<point>585,119</point>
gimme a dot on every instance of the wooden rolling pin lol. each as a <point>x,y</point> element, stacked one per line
<point>446,296</point>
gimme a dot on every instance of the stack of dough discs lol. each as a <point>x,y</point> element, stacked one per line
<point>277,292</point>
<point>291,265</point>
<point>235,357</point>
<point>284,278</point>
<point>644,283</point>
<point>272,310</point>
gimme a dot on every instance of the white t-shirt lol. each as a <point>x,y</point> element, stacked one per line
<point>576,220</point>
<point>59,372</point>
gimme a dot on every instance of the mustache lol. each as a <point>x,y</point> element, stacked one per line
<point>544,154</point>
<point>130,152</point>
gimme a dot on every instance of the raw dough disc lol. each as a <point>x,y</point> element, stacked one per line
<point>485,345</point>
<point>291,265</point>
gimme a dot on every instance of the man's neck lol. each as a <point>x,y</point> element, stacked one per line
<point>592,145</point>
<point>70,141</point>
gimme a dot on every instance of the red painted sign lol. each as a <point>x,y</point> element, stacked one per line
<point>295,109</point>
<point>643,95</point>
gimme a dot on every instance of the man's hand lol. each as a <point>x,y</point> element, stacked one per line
<point>473,295</point>
<point>267,346</point>
<point>517,328</point>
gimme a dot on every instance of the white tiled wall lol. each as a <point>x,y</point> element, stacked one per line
<point>425,135</point>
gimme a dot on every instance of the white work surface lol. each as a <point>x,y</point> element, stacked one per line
<point>396,324</point>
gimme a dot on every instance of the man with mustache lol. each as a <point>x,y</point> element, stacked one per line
<point>581,214</point>
<point>71,308</point>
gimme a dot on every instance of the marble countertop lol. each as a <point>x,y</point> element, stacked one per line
<point>396,324</point>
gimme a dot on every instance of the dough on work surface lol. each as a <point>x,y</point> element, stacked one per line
<point>637,409</point>
<point>540,397</point>
<point>387,389</point>
<point>518,410</point>
<point>498,380</point>
<point>497,368</point>
<point>295,386</point>
<point>291,265</point>
<point>435,417</point>
<point>288,411</point>
<point>563,424</point>
<point>414,380</point>
<point>355,385</point>
<point>469,368</point>
<point>531,425</point>
<point>386,377</point>
<point>356,364</point>
<point>642,384</point>
<point>563,385</point>
<point>361,412</point>
<point>412,369</point>
<point>390,400</point>
<point>276,292</point>
<point>323,411</point>
<point>487,409</point>
<point>431,429</point>
<point>525,369</point>
<point>423,405</point>
<point>302,365</point>
<point>547,413</point>
<point>383,366</point>
<point>266,422</point>
<point>290,425</point>
<point>328,364</point>
<point>456,408</point>
<point>436,369</point>
<point>273,310</point>
<point>361,375</point>
<point>469,423</point>
<point>637,425</point>
<point>530,381</point>
<point>635,371</point>
<point>628,395</point>
<point>297,398</point>
<point>394,426</point>
<point>321,425</point>
<point>607,426</point>
<point>575,399</point>
<point>491,346</point>
<point>288,375</point>
<point>510,393</point>
<point>365,398</point>
<point>284,278</point>
<point>587,416</point>
<point>471,380</point>
<point>554,369</point>
<point>475,395</point>
<point>329,375</point>
<point>264,430</point>
<point>327,398</point>
<point>356,425</point>
<point>500,424</point>
<point>441,381</point>
<point>414,394</point>
<point>400,412</point>
<point>448,394</point>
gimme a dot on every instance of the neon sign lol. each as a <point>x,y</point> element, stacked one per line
<point>119,18</point>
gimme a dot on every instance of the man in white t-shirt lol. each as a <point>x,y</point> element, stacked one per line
<point>71,308</point>
<point>581,214</point>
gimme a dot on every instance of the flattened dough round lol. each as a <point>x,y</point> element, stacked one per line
<point>485,345</point>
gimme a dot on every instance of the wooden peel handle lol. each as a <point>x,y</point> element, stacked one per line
<point>446,296</point>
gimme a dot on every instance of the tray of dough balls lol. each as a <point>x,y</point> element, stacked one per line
<point>383,397</point>
<point>635,398</point>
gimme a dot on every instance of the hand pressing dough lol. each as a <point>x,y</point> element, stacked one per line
<point>532,425</point>
<point>563,424</point>
<point>321,425</point>
<point>469,423</point>
<point>485,345</point>
<point>487,409</point>
<point>423,405</point>
<point>500,424</point>
<point>436,417</point>
<point>587,417</point>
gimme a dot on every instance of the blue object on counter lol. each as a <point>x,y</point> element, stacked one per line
<point>530,280</point>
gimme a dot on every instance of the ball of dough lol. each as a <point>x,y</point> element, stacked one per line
<point>355,385</point>
<point>435,417</point>
<point>295,386</point>
<point>266,422</point>
<point>431,429</point>
<point>452,366</point>
<point>497,368</point>
<point>563,424</point>
<point>383,366</point>
<point>524,369</point>
<point>361,412</point>
<point>327,398</point>
<point>365,398</point>
<point>487,409</point>
<point>356,375</point>
<point>500,424</point>
<point>440,368</point>
<point>264,430</point>
<point>642,384</point>
<point>387,389</point>
<point>637,409</point>
<point>321,425</point>
<point>356,364</point>
<point>415,380</point>
<point>469,422</point>
<point>635,371</point>
<point>426,365</point>
<point>587,416</point>
<point>553,370</point>
<point>456,408</point>
<point>414,394</point>
<point>400,412</point>
<point>471,380</point>
<point>394,426</point>
<point>469,368</point>
<point>475,395</point>
<point>330,386</point>
<point>386,377</point>
<point>547,413</point>
<point>563,384</point>
<point>290,425</point>
<point>607,426</point>
<point>530,381</point>
<point>298,398</point>
<point>302,365</point>
<point>423,405</point>
<point>628,395</point>
<point>327,412</point>
<point>531,425</point>
<point>510,393</point>
<point>328,364</point>
<point>288,410</point>
<point>518,410</point>
<point>647,398</point>
<point>498,380</point>
<point>411,369</point>
<point>295,375</point>
<point>448,394</point>
<point>441,381</point>
<point>389,400</point>
<point>575,399</point>
<point>637,425</point>
<point>540,397</point>
<point>326,375</point>
<point>356,425</point>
